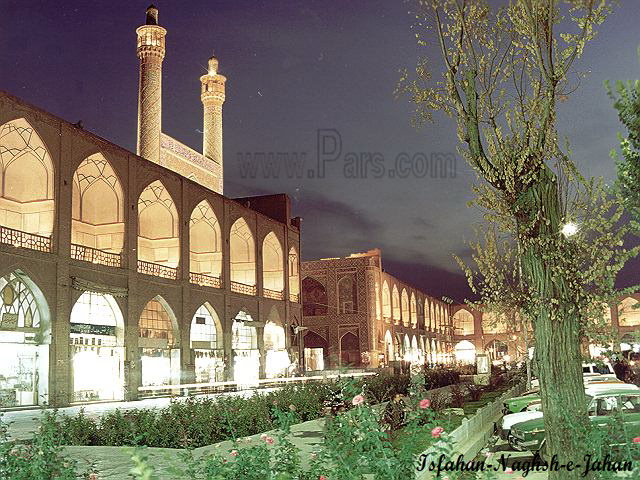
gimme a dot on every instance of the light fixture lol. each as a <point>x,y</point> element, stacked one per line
<point>569,229</point>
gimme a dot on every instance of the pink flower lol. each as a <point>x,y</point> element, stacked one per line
<point>425,403</point>
<point>508,470</point>
<point>358,400</point>
<point>636,440</point>
<point>269,440</point>
<point>93,476</point>
<point>263,436</point>
<point>322,477</point>
<point>234,453</point>
<point>436,432</point>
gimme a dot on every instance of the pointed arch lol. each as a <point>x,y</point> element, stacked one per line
<point>396,305</point>
<point>294,275</point>
<point>347,294</point>
<point>97,207</point>
<point>159,340</point>
<point>386,302</point>
<point>272,264</point>
<point>242,253</point>
<point>314,297</point>
<point>27,180</point>
<point>24,340</point>
<point>205,241</point>
<point>629,314</point>
<point>413,311</point>
<point>405,307</point>
<point>205,338</point>
<point>388,346</point>
<point>463,322</point>
<point>97,372</point>
<point>158,235</point>
<point>350,350</point>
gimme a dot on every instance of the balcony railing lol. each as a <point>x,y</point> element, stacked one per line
<point>242,288</point>
<point>294,297</point>
<point>274,294</point>
<point>93,255</point>
<point>18,238</point>
<point>205,280</point>
<point>156,270</point>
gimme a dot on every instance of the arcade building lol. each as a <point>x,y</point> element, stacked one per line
<point>122,273</point>
<point>356,314</point>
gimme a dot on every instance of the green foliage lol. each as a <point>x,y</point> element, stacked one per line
<point>196,422</point>
<point>440,377</point>
<point>42,459</point>
<point>627,102</point>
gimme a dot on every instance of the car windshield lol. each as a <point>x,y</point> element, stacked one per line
<point>630,403</point>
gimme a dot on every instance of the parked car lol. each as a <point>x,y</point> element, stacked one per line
<point>532,411</point>
<point>602,403</point>
<point>519,404</point>
<point>604,370</point>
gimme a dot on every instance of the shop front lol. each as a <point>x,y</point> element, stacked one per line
<point>97,348</point>
<point>207,351</point>
<point>24,338</point>
<point>246,356</point>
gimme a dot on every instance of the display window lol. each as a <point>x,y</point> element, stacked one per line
<point>97,348</point>
<point>206,346</point>
<point>24,338</point>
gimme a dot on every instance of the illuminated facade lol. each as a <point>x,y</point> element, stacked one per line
<point>124,273</point>
<point>497,336</point>
<point>356,314</point>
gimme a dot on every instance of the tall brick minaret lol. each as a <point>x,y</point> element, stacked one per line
<point>212,96</point>
<point>151,52</point>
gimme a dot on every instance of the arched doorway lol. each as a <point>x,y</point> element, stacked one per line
<point>206,344</point>
<point>314,297</point>
<point>277,359</point>
<point>466,352</point>
<point>97,348</point>
<point>246,367</point>
<point>316,350</point>
<point>388,346</point>
<point>24,342</point>
<point>350,350</point>
<point>159,344</point>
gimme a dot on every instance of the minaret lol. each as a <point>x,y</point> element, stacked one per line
<point>151,53</point>
<point>212,96</point>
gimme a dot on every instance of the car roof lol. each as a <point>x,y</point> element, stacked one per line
<point>614,391</point>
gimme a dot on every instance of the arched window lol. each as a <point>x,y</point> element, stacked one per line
<point>294,275</point>
<point>405,308</point>
<point>314,297</point>
<point>272,265</point>
<point>205,245</point>
<point>629,313</point>
<point>396,305</point>
<point>206,342</point>
<point>463,322</point>
<point>24,339</point>
<point>277,360</point>
<point>244,342</point>
<point>433,320</point>
<point>414,313</point>
<point>243,255</point>
<point>97,211</point>
<point>26,203</point>
<point>388,346</point>
<point>158,239</point>
<point>158,339</point>
<point>347,295</point>
<point>97,348</point>
<point>386,302</point>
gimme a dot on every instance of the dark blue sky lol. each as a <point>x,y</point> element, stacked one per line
<point>294,67</point>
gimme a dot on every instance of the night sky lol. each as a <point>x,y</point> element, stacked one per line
<point>295,67</point>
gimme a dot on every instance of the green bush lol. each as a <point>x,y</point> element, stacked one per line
<point>195,422</point>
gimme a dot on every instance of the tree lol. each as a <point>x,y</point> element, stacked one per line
<point>627,103</point>
<point>505,70</point>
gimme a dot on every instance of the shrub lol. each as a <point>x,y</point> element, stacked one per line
<point>458,396</point>
<point>475,392</point>
<point>440,377</point>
